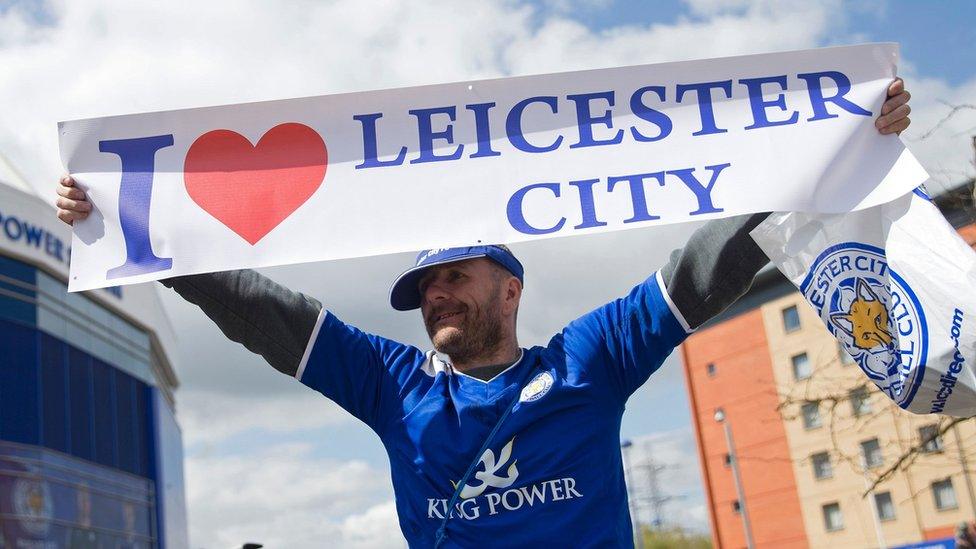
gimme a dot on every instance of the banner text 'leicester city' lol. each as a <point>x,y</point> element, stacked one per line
<point>490,161</point>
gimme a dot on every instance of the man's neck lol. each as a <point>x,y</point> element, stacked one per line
<point>486,373</point>
<point>490,364</point>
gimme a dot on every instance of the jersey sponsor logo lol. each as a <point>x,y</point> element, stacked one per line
<point>489,476</point>
<point>477,499</point>
<point>537,388</point>
<point>874,313</point>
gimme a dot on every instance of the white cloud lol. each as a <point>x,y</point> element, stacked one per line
<point>564,44</point>
<point>110,57</point>
<point>285,496</point>
<point>568,7</point>
<point>17,28</point>
<point>717,7</point>
<point>117,56</point>
<point>372,528</point>
<point>665,464</point>
<point>210,418</point>
<point>947,153</point>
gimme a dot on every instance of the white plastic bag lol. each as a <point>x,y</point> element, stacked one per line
<point>897,286</point>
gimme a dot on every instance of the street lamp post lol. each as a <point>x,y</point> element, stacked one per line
<point>734,462</point>
<point>635,525</point>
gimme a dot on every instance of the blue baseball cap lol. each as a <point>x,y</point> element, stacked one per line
<point>405,295</point>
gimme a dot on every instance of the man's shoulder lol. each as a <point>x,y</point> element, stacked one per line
<point>335,338</point>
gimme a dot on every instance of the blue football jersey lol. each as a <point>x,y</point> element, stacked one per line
<point>553,471</point>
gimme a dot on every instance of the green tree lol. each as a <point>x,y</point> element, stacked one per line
<point>674,538</point>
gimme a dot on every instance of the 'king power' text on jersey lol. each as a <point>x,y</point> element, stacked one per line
<point>552,472</point>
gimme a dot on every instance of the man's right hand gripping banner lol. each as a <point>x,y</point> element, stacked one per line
<point>896,286</point>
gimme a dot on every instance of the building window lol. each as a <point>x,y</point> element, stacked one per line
<point>801,366</point>
<point>860,401</point>
<point>821,466</point>
<point>791,319</point>
<point>833,519</point>
<point>945,495</point>
<point>929,438</point>
<point>736,507</point>
<point>884,506</point>
<point>845,357</point>
<point>710,369</point>
<point>871,451</point>
<point>811,415</point>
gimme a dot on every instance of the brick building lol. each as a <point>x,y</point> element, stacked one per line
<point>809,431</point>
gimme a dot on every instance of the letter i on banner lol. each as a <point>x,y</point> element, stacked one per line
<point>894,284</point>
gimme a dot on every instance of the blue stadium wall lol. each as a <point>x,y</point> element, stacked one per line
<point>90,451</point>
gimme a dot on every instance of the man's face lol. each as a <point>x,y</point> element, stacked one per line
<point>462,307</point>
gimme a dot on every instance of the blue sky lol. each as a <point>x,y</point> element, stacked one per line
<point>938,36</point>
<point>270,460</point>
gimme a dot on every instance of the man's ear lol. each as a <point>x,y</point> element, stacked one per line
<point>513,294</point>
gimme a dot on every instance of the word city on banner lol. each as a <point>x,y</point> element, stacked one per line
<point>516,164</point>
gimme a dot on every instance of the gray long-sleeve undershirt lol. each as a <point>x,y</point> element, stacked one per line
<point>254,310</point>
<point>714,268</point>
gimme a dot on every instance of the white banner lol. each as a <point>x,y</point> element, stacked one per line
<point>490,161</point>
<point>895,285</point>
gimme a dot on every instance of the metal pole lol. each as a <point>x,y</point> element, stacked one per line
<point>873,509</point>
<point>631,503</point>
<point>750,544</point>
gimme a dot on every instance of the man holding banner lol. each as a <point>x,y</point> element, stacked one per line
<point>491,444</point>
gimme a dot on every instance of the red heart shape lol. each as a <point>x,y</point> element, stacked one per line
<point>252,189</point>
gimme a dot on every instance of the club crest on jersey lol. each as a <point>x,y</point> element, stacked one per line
<point>875,315</point>
<point>537,388</point>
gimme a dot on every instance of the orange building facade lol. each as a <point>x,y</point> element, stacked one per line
<point>809,434</point>
<point>739,345</point>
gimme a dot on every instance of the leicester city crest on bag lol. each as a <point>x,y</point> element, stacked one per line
<point>873,313</point>
<point>896,286</point>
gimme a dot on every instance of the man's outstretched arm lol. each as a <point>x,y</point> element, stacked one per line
<point>250,309</point>
<point>718,263</point>
<point>715,268</point>
<point>255,311</point>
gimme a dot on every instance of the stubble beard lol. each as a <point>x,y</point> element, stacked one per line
<point>474,337</point>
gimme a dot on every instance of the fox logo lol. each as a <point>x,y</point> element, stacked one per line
<point>866,321</point>
<point>490,477</point>
<point>873,313</point>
